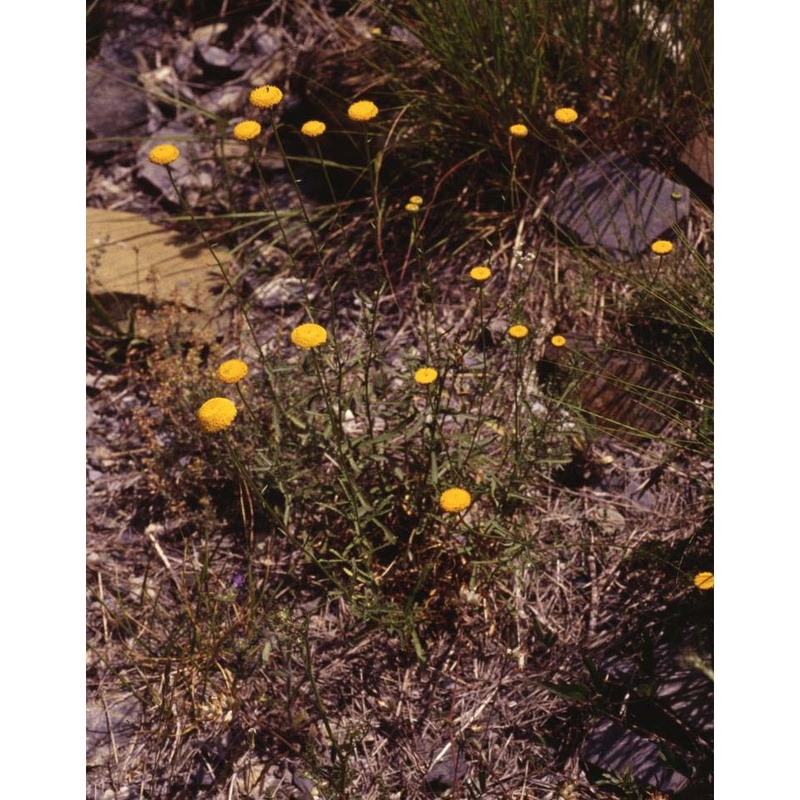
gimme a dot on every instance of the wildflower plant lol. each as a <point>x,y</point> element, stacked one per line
<point>704,581</point>
<point>480,274</point>
<point>565,116</point>
<point>400,492</point>
<point>216,414</point>
<point>661,247</point>
<point>362,111</point>
<point>425,375</point>
<point>313,128</point>
<point>247,130</point>
<point>455,500</point>
<point>266,96</point>
<point>164,154</point>
<point>309,335</point>
<point>232,371</point>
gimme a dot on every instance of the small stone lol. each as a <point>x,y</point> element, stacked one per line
<point>441,776</point>
<point>611,747</point>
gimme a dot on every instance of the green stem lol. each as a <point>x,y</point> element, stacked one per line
<point>228,282</point>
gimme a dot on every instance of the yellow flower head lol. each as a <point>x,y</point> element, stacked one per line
<point>518,331</point>
<point>164,154</point>
<point>704,581</point>
<point>362,111</point>
<point>232,371</point>
<point>558,340</point>
<point>480,274</point>
<point>216,414</point>
<point>566,116</point>
<point>415,198</point>
<point>454,500</point>
<point>676,196</point>
<point>313,128</point>
<point>266,96</point>
<point>376,31</point>
<point>309,335</point>
<point>246,130</point>
<point>425,375</point>
<point>661,247</point>
<point>412,207</point>
<point>518,130</point>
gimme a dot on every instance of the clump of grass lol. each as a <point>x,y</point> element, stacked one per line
<point>639,72</point>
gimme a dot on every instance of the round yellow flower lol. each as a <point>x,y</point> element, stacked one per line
<point>480,274</point>
<point>661,247</point>
<point>309,335</point>
<point>415,198</point>
<point>362,111</point>
<point>518,130</point>
<point>216,414</point>
<point>425,375</point>
<point>376,31</point>
<point>676,196</point>
<point>558,340</point>
<point>566,116</point>
<point>164,154</point>
<point>704,581</point>
<point>232,371</point>
<point>266,96</point>
<point>246,130</point>
<point>412,207</point>
<point>313,128</point>
<point>455,500</point>
<point>518,331</point>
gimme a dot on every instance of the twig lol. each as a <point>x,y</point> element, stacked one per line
<point>163,556</point>
<point>102,605</point>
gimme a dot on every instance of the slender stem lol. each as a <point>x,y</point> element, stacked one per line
<point>484,370</point>
<point>374,168</point>
<point>304,211</point>
<point>228,282</point>
<point>267,197</point>
<point>518,373</point>
<point>337,210</point>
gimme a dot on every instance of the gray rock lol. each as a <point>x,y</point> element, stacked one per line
<point>613,748</point>
<point>619,205</point>
<point>110,726</point>
<point>442,775</point>
<point>114,111</point>
<point>185,175</point>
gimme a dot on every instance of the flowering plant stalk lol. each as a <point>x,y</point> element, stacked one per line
<point>225,276</point>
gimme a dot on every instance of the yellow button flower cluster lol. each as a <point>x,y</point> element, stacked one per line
<point>232,370</point>
<point>313,128</point>
<point>362,111</point>
<point>309,335</point>
<point>164,154</point>
<point>216,414</point>
<point>266,96</point>
<point>425,375</point>
<point>454,500</point>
